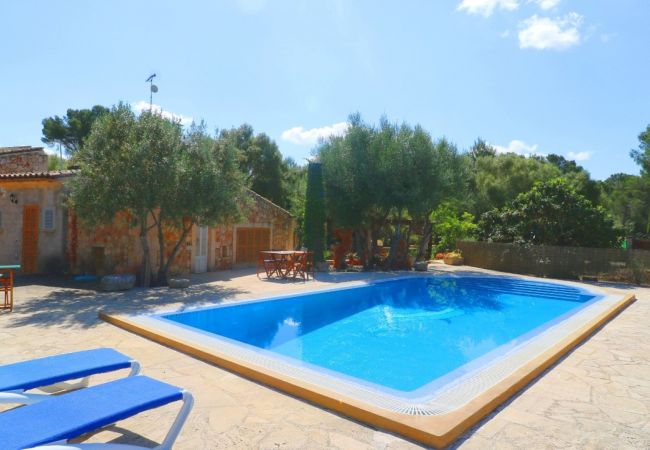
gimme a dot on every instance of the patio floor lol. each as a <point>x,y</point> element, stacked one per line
<point>597,397</point>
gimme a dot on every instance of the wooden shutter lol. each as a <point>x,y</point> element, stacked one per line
<point>30,239</point>
<point>250,241</point>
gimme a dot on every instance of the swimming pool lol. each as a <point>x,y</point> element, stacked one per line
<point>420,346</point>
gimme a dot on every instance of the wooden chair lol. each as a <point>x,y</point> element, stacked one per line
<point>302,265</point>
<point>7,288</point>
<point>267,263</point>
<point>286,265</point>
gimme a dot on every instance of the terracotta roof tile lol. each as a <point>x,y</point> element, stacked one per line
<point>19,149</point>
<point>26,175</point>
<point>69,173</point>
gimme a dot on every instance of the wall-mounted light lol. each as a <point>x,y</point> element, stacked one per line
<point>13,198</point>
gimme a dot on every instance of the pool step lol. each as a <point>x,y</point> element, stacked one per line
<point>525,288</point>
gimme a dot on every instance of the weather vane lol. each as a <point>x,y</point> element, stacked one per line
<point>152,89</point>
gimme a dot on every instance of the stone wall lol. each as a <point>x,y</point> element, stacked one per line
<point>14,195</point>
<point>103,249</point>
<point>22,159</point>
<point>116,248</point>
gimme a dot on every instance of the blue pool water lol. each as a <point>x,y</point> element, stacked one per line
<point>401,334</point>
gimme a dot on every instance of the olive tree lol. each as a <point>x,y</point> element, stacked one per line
<point>354,177</point>
<point>162,177</point>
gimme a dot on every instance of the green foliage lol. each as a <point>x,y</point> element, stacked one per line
<point>260,159</point>
<point>565,165</point>
<point>481,149</point>
<point>378,176</point>
<point>296,188</point>
<point>55,162</point>
<point>642,155</point>
<point>146,166</point>
<point>353,176</point>
<point>551,213</point>
<point>449,226</point>
<point>314,221</point>
<point>627,198</point>
<point>577,176</point>
<point>499,179</point>
<point>208,185</point>
<point>71,130</point>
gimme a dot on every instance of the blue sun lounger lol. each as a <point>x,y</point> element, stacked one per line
<point>54,371</point>
<point>50,423</point>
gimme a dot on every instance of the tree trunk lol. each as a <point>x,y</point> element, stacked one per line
<point>162,276</point>
<point>164,269</point>
<point>145,268</point>
<point>394,245</point>
<point>424,246</point>
<point>366,257</point>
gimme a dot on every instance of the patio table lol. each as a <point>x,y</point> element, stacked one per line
<point>281,262</point>
<point>7,272</point>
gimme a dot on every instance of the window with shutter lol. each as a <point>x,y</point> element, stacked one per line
<point>48,219</point>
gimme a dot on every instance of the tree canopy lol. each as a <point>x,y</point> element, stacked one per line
<point>551,213</point>
<point>642,155</point>
<point>71,130</point>
<point>261,161</point>
<point>627,198</point>
<point>480,149</point>
<point>315,216</point>
<point>379,178</point>
<point>496,180</point>
<point>163,177</point>
<point>449,226</point>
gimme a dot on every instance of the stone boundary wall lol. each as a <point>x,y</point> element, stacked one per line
<point>607,264</point>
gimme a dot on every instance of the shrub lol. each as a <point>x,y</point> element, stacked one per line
<point>449,227</point>
<point>551,213</point>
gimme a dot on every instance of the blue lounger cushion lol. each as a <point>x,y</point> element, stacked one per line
<point>71,415</point>
<point>55,369</point>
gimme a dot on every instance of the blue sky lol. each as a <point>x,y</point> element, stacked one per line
<point>544,76</point>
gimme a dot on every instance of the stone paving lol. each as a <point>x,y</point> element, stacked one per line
<point>597,397</point>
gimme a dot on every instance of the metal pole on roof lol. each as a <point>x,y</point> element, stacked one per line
<point>152,89</point>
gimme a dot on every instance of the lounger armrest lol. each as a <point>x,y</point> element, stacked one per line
<point>177,426</point>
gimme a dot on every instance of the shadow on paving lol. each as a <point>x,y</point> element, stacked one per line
<point>79,308</point>
<point>125,437</point>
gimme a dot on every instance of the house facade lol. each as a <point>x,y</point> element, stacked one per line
<point>40,233</point>
<point>116,248</point>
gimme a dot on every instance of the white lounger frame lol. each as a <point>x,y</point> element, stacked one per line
<point>167,443</point>
<point>21,397</point>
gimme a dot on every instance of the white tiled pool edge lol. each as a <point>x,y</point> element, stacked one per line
<point>447,399</point>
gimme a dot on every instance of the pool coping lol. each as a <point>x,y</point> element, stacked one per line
<point>439,430</point>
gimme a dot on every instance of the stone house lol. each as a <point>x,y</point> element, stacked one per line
<point>116,248</point>
<point>38,232</point>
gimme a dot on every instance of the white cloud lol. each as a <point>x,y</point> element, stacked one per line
<point>545,33</point>
<point>143,105</point>
<point>487,7</point>
<point>518,147</point>
<point>579,156</point>
<point>547,4</point>
<point>301,136</point>
<point>505,34</point>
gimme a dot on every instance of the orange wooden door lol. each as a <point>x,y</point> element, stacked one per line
<point>250,241</point>
<point>30,239</point>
